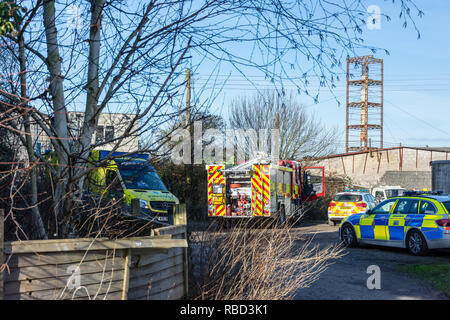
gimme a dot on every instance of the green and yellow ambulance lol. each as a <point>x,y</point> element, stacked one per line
<point>131,177</point>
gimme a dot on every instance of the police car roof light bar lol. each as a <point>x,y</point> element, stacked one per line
<point>418,193</point>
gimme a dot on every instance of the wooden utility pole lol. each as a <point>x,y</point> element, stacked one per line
<point>188,112</point>
<point>188,98</point>
<point>189,169</point>
<point>275,141</point>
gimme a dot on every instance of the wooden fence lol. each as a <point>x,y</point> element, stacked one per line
<point>153,267</point>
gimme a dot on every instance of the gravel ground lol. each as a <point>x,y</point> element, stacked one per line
<point>346,279</point>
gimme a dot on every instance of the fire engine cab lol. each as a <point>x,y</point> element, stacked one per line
<point>262,188</point>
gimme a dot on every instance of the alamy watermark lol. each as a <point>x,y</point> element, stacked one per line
<point>214,146</point>
<point>74,281</point>
<point>374,20</point>
<point>75,20</point>
<point>374,280</point>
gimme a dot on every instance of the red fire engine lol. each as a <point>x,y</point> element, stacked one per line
<point>262,188</point>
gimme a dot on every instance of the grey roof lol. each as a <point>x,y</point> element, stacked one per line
<point>436,149</point>
<point>443,149</point>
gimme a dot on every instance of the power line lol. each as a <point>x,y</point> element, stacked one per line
<point>417,118</point>
<point>394,77</point>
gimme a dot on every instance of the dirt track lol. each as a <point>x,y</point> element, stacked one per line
<point>347,277</point>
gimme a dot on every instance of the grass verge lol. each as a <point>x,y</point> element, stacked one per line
<point>438,274</point>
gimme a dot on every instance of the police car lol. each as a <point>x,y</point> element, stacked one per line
<point>349,202</point>
<point>418,221</point>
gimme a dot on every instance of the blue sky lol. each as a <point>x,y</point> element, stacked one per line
<point>416,74</point>
<point>417,77</point>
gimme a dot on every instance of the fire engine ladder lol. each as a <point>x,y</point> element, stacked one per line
<point>261,158</point>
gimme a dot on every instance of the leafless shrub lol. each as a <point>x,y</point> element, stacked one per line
<point>270,263</point>
<point>301,133</point>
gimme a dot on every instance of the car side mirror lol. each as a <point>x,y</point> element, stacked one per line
<point>369,212</point>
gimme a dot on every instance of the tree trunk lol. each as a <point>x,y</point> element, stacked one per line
<point>38,225</point>
<point>61,145</point>
<point>67,190</point>
<point>91,114</point>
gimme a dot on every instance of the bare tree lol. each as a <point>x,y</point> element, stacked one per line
<point>37,219</point>
<point>130,57</point>
<point>300,133</point>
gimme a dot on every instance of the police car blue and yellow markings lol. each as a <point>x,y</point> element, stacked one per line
<point>395,226</point>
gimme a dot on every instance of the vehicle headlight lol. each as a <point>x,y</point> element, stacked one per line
<point>143,204</point>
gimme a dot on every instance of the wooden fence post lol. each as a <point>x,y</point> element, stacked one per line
<point>180,217</point>
<point>126,275</point>
<point>186,269</point>
<point>180,214</point>
<point>2,237</point>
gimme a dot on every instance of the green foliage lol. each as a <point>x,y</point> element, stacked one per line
<point>438,274</point>
<point>10,17</point>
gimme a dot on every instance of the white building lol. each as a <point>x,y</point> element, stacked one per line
<point>110,130</point>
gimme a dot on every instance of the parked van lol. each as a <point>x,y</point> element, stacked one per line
<point>383,192</point>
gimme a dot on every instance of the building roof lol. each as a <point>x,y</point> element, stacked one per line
<point>436,149</point>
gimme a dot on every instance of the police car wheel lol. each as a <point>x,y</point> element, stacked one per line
<point>348,236</point>
<point>416,243</point>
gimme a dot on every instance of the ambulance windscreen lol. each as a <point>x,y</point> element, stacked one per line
<point>141,177</point>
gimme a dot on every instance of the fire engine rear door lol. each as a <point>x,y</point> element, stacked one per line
<point>260,190</point>
<point>313,183</point>
<point>216,190</point>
